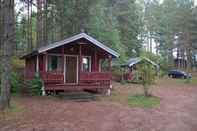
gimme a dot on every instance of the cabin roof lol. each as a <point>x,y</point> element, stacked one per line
<point>133,61</point>
<point>72,39</point>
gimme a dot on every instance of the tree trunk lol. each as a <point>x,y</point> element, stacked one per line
<point>188,51</point>
<point>29,41</point>
<point>45,29</point>
<point>7,47</point>
<point>40,23</point>
<point>1,26</point>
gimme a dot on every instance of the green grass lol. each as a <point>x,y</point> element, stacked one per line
<point>15,108</point>
<point>143,101</point>
<point>192,81</point>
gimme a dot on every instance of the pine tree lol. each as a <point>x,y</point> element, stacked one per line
<point>7,50</point>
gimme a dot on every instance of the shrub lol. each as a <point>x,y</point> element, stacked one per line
<point>15,82</point>
<point>35,85</point>
<point>148,75</point>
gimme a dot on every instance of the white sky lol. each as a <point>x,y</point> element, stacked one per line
<point>195,1</point>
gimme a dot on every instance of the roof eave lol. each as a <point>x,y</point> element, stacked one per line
<point>76,37</point>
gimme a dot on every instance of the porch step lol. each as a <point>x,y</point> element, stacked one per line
<point>78,96</point>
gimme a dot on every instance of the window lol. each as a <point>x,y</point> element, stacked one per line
<point>103,65</point>
<point>54,63</point>
<point>86,64</point>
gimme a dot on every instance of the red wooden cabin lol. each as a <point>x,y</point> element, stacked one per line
<point>76,63</point>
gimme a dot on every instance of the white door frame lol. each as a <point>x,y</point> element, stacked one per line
<point>77,66</point>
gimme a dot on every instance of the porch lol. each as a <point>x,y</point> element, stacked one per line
<point>87,81</point>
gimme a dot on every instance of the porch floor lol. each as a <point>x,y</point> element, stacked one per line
<point>76,87</point>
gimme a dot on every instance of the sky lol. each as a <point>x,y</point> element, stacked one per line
<point>195,1</point>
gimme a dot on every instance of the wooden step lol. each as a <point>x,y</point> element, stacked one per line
<point>77,96</point>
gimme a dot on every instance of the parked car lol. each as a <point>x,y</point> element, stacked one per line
<point>178,74</point>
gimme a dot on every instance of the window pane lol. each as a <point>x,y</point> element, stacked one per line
<point>86,64</point>
<point>54,63</point>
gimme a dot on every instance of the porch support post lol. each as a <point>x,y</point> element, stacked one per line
<point>110,73</point>
<point>110,66</point>
<point>80,60</point>
<point>95,60</point>
<point>43,73</point>
<point>46,62</point>
<point>37,63</point>
<point>63,64</point>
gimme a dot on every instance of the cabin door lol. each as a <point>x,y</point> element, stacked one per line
<point>71,69</point>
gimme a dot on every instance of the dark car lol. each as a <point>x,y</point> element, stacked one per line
<point>178,74</point>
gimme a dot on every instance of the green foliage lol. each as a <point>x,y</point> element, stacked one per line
<point>15,82</point>
<point>35,85</point>
<point>143,101</point>
<point>116,24</point>
<point>188,80</point>
<point>147,71</point>
<point>17,63</point>
<point>148,75</point>
<point>154,57</point>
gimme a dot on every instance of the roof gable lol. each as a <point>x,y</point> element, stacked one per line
<point>136,60</point>
<point>77,37</point>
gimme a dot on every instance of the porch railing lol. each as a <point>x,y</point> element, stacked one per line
<point>52,77</point>
<point>95,76</point>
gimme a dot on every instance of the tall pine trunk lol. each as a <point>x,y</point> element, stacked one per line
<point>40,23</point>
<point>7,46</point>
<point>1,26</point>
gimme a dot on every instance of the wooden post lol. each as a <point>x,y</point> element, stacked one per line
<point>110,72</point>
<point>45,62</point>
<point>109,61</point>
<point>95,60</point>
<point>80,60</point>
<point>63,64</point>
<point>37,63</point>
<point>44,72</point>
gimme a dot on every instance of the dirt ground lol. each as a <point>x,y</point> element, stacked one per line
<point>177,112</point>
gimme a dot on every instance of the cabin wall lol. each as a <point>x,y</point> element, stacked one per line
<point>41,63</point>
<point>30,67</point>
<point>87,49</point>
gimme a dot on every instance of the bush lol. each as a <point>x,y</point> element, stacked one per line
<point>148,75</point>
<point>35,85</point>
<point>15,82</point>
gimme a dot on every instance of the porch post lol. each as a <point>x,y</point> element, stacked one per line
<point>37,63</point>
<point>95,60</point>
<point>63,64</point>
<point>109,61</point>
<point>45,66</point>
<point>110,73</point>
<point>80,59</point>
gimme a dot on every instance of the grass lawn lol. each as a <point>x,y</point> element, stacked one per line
<point>192,81</point>
<point>14,109</point>
<point>131,95</point>
<point>143,101</point>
